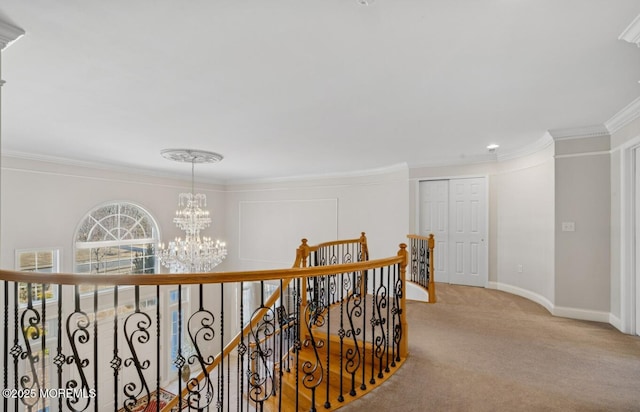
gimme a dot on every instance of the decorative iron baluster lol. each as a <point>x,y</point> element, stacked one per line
<point>373,321</point>
<point>283,321</point>
<point>380,341</point>
<point>229,382</point>
<point>43,344</point>
<point>157,348</point>
<point>315,317</point>
<point>60,359</point>
<point>16,349</point>
<point>332,280</point>
<point>424,280</point>
<point>388,318</point>
<point>242,350</point>
<point>136,330</point>
<point>297,345</point>
<point>179,361</point>
<point>354,312</point>
<point>220,403</point>
<point>333,257</point>
<point>116,361</point>
<point>347,255</point>
<point>341,335</point>
<point>260,381</point>
<point>397,330</point>
<point>200,330</point>
<point>323,296</point>
<point>77,327</point>
<point>31,332</point>
<point>414,260</point>
<point>95,347</point>
<point>363,286</point>
<point>5,399</point>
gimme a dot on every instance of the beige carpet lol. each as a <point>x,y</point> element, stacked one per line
<point>485,350</point>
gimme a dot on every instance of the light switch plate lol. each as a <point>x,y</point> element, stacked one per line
<point>568,226</point>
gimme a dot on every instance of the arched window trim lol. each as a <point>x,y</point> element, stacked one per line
<point>118,235</point>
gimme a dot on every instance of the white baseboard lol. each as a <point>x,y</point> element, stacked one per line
<point>539,299</point>
<point>560,311</point>
<point>581,314</point>
<point>616,322</point>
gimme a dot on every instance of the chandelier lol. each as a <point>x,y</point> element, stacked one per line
<point>194,253</point>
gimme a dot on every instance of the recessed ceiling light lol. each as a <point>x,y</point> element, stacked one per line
<point>492,147</point>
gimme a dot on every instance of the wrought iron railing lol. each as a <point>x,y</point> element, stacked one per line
<point>421,263</point>
<point>133,345</point>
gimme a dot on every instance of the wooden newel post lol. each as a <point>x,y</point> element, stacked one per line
<point>303,251</point>
<point>363,247</point>
<point>404,343</point>
<point>432,275</point>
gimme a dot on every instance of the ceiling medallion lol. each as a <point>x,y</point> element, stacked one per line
<point>191,156</point>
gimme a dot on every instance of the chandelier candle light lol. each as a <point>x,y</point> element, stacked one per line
<point>194,253</point>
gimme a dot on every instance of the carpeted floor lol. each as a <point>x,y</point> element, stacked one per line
<point>485,350</point>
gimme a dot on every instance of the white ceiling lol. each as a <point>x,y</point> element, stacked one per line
<point>286,88</point>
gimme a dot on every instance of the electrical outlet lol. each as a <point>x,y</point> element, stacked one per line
<point>568,226</point>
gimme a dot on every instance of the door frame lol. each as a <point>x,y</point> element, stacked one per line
<point>487,224</point>
<point>629,282</point>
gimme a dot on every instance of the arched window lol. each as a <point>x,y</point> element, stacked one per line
<point>116,238</point>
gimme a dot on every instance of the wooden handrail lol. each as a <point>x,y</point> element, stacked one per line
<point>191,278</point>
<point>304,250</point>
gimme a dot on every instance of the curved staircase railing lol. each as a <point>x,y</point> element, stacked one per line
<point>421,267</point>
<point>278,354</point>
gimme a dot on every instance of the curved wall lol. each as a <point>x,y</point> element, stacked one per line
<point>521,220</point>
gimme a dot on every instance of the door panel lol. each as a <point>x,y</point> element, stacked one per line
<point>434,218</point>
<point>468,238</point>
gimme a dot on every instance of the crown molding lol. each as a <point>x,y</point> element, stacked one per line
<point>456,161</point>
<point>61,161</point>
<point>632,33</point>
<point>625,116</point>
<point>542,143</point>
<point>399,167</point>
<point>598,130</point>
<point>8,34</point>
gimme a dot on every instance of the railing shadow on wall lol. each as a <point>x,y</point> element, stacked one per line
<point>421,263</point>
<point>334,327</point>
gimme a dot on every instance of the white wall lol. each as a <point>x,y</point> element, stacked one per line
<point>583,189</point>
<point>42,203</point>
<point>521,222</point>
<point>375,203</point>
<point>524,213</point>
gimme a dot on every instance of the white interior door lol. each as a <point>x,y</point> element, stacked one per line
<point>467,232</point>
<point>434,218</point>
